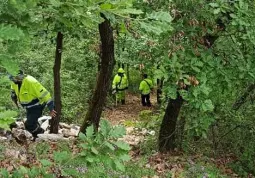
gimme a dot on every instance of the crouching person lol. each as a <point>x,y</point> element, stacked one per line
<point>32,96</point>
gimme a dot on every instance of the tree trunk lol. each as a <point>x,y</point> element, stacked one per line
<point>107,63</point>
<point>128,73</point>
<point>57,89</point>
<point>159,90</point>
<point>168,125</point>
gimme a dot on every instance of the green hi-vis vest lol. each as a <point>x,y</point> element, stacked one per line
<point>31,93</point>
<point>146,86</point>
<point>120,83</point>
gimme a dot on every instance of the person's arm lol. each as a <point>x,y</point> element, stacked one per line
<point>14,97</point>
<point>141,86</point>
<point>43,95</point>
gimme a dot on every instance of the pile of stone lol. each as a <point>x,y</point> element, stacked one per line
<point>65,131</point>
<point>135,136</point>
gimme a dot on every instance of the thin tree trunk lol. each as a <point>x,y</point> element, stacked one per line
<point>128,73</point>
<point>168,125</point>
<point>159,90</point>
<point>107,63</point>
<point>57,89</point>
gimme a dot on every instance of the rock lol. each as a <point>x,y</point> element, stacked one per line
<point>2,132</point>
<point>75,127</point>
<point>74,132</point>
<point>21,135</point>
<point>144,131</point>
<point>20,125</point>
<point>129,130</point>
<point>14,154</point>
<point>51,137</point>
<point>3,138</point>
<point>132,139</point>
<point>60,131</point>
<point>152,132</point>
<point>71,132</point>
<point>64,125</point>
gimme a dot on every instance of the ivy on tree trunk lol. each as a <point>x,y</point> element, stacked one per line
<point>57,90</point>
<point>103,82</point>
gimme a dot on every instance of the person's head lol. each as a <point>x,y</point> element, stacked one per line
<point>121,71</point>
<point>145,75</point>
<point>17,78</point>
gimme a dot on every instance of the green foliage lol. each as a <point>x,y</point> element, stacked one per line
<point>103,149</point>
<point>6,118</point>
<point>203,170</point>
<point>99,154</point>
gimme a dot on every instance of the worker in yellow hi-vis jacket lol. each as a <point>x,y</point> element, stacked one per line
<point>119,85</point>
<point>32,96</point>
<point>145,88</point>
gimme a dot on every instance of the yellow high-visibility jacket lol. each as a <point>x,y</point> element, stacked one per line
<point>120,83</point>
<point>146,86</point>
<point>32,93</point>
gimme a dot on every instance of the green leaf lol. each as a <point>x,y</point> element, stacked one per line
<point>45,162</point>
<point>171,92</point>
<point>8,32</point>
<point>122,145</point>
<point>82,136</point>
<point>149,27</point>
<point>117,132</point>
<point>4,173</point>
<point>69,172</point>
<point>126,11</point>
<point>109,145</point>
<point>61,157</point>
<point>214,4</point>
<point>6,118</point>
<point>161,16</point>
<point>216,11</point>
<point>105,6</point>
<point>90,159</point>
<point>207,105</point>
<point>90,131</point>
<point>119,165</point>
<point>55,3</point>
<point>8,114</point>
<point>94,150</point>
<point>9,64</point>
<point>23,170</point>
<point>125,157</point>
<point>105,127</point>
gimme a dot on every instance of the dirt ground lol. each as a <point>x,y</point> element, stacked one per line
<point>130,111</point>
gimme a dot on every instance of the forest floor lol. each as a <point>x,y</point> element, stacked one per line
<point>146,162</point>
<point>130,111</point>
<point>176,164</point>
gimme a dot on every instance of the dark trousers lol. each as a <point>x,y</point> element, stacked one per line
<point>31,123</point>
<point>146,100</point>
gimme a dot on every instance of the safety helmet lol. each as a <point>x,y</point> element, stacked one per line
<point>121,70</point>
